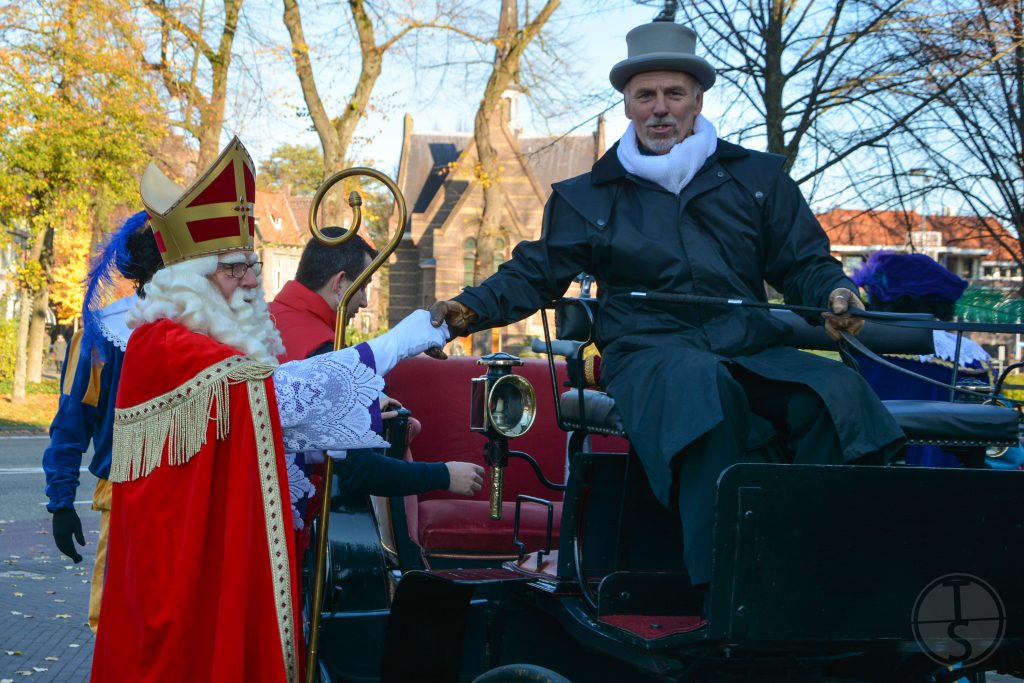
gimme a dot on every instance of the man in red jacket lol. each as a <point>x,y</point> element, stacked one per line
<point>305,312</point>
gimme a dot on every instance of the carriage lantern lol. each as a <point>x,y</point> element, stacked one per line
<point>503,406</point>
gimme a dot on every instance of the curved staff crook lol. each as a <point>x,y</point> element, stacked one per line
<point>355,201</point>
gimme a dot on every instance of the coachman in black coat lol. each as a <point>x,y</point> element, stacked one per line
<point>696,386</point>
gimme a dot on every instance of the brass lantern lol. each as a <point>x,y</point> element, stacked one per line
<point>502,406</point>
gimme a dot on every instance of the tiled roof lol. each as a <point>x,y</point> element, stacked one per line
<point>279,221</point>
<point>429,156</point>
<point>300,209</point>
<point>557,158</point>
<point>550,158</point>
<point>851,227</point>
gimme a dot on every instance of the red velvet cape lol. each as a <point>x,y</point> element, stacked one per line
<point>189,593</point>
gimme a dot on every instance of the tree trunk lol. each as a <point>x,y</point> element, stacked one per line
<point>212,115</point>
<point>510,43</point>
<point>774,84</point>
<point>21,353</point>
<point>336,133</point>
<point>490,229</point>
<point>37,341</point>
<point>42,252</point>
<point>207,130</point>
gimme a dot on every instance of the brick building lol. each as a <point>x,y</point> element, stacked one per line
<point>975,248</point>
<point>436,175</point>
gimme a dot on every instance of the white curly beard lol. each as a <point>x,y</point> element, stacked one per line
<point>182,292</point>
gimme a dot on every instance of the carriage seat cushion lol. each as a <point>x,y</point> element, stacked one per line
<point>601,413</point>
<point>931,422</point>
<point>938,422</point>
<point>466,527</point>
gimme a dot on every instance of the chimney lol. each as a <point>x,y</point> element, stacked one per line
<point>599,138</point>
<point>510,109</point>
<point>407,126</point>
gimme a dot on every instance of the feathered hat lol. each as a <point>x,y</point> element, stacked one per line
<point>888,277</point>
<point>125,252</point>
<point>212,216</point>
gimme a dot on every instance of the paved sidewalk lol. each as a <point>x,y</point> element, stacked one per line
<point>44,598</point>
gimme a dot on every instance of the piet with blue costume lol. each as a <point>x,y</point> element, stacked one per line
<point>916,283</point>
<point>89,383</point>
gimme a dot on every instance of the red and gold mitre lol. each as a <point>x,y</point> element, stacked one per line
<point>213,216</point>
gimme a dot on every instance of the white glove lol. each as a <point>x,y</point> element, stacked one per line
<point>411,337</point>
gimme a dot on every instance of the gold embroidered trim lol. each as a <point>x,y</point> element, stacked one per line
<point>72,363</point>
<point>273,516</point>
<point>178,419</point>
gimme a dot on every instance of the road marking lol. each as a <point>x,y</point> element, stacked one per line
<point>77,502</point>
<point>30,470</point>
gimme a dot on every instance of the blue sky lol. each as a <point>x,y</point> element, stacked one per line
<point>596,31</point>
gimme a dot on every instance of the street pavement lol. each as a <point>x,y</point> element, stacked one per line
<point>44,597</point>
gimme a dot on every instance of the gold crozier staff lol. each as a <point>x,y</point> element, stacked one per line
<point>354,201</point>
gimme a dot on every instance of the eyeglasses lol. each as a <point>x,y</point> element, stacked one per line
<point>237,270</point>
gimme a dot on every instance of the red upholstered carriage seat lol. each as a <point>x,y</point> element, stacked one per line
<point>461,527</point>
<point>445,525</point>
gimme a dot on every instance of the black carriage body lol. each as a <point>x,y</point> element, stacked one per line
<point>832,558</point>
<point>853,573</point>
<point>818,571</point>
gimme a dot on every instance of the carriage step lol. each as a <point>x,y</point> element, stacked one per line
<point>477,576</point>
<point>653,627</point>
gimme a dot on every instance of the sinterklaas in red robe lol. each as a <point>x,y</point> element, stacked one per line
<point>200,585</point>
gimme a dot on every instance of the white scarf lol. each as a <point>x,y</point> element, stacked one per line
<point>676,168</point>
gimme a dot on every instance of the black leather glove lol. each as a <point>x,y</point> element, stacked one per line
<point>67,525</point>
<point>456,314</point>
<point>838,318</point>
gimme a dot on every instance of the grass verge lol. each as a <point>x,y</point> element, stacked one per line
<point>34,414</point>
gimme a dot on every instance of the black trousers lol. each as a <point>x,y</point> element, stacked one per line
<point>803,433</point>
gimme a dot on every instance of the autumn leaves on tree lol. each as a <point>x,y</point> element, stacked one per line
<point>863,99</point>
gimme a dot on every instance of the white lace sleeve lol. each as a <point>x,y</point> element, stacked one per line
<point>300,488</point>
<point>971,353</point>
<point>325,402</point>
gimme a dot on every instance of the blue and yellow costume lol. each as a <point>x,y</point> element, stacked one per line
<point>86,413</point>
<point>88,389</point>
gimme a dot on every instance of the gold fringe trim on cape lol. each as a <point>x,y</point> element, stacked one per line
<point>178,419</point>
<point>277,530</point>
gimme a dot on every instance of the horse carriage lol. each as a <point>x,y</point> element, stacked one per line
<point>569,570</point>
<point>843,573</point>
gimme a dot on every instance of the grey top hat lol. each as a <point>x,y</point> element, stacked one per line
<point>661,46</point>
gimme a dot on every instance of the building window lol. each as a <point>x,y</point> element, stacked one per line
<point>499,253</point>
<point>469,258</point>
<point>963,266</point>
<point>852,262</point>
